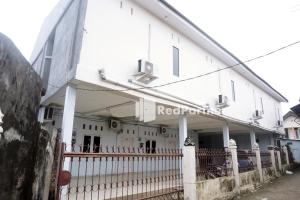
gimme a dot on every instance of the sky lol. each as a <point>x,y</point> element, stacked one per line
<point>246,28</point>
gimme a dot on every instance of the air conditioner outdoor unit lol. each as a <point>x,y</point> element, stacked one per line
<point>222,101</point>
<point>48,114</point>
<point>257,114</point>
<point>145,72</point>
<point>114,124</point>
<point>145,67</point>
<point>279,123</point>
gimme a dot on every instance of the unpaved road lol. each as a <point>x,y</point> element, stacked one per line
<point>284,188</point>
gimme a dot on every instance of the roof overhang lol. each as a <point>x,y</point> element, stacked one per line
<point>172,17</point>
<point>296,110</point>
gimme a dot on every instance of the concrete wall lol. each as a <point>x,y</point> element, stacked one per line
<point>116,45</point>
<point>268,174</point>
<point>249,181</point>
<point>131,136</point>
<point>67,43</point>
<point>218,188</point>
<point>295,148</point>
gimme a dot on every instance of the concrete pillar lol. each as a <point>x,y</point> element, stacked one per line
<point>286,153</point>
<point>255,149</point>
<point>41,114</point>
<point>235,166</point>
<point>1,122</point>
<point>182,130</point>
<point>252,137</point>
<point>189,172</point>
<point>68,119</point>
<point>226,135</point>
<point>271,150</point>
<point>279,159</point>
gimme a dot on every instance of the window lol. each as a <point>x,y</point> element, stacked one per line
<point>150,146</point>
<point>262,105</point>
<point>96,146</point>
<point>86,143</point>
<point>286,133</point>
<point>296,133</point>
<point>175,61</point>
<point>48,51</point>
<point>232,90</point>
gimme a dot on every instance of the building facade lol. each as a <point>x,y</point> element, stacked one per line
<point>108,66</point>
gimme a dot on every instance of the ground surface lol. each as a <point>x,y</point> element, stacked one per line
<point>284,188</point>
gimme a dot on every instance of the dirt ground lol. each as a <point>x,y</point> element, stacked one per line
<point>284,188</point>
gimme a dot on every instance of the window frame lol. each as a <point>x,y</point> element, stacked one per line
<point>233,91</point>
<point>176,60</point>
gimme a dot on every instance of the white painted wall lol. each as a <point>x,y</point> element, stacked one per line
<point>292,124</point>
<point>116,38</point>
<point>131,137</point>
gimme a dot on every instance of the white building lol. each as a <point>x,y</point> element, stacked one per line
<point>291,125</point>
<point>87,54</point>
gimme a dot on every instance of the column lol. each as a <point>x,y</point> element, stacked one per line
<point>189,170</point>
<point>1,122</point>
<point>182,130</point>
<point>279,159</point>
<point>68,119</point>
<point>41,114</point>
<point>235,166</point>
<point>226,135</point>
<point>252,137</point>
<point>271,150</point>
<point>286,153</point>
<point>255,149</point>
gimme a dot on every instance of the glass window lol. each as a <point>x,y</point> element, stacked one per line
<point>233,90</point>
<point>262,105</point>
<point>175,61</point>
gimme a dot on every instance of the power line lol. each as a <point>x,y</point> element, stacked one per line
<point>194,77</point>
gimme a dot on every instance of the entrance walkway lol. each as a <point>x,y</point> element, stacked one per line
<point>284,188</point>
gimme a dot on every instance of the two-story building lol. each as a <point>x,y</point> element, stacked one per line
<point>139,73</point>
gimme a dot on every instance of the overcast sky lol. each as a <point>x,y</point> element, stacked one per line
<point>246,28</point>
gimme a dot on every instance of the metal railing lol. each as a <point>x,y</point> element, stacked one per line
<point>124,173</point>
<point>265,159</point>
<point>246,160</point>
<point>212,163</point>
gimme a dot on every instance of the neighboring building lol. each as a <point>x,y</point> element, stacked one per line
<point>87,55</point>
<point>291,124</point>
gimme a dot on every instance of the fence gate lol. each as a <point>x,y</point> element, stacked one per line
<point>121,173</point>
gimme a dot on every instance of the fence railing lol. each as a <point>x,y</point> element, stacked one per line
<point>246,160</point>
<point>119,172</point>
<point>212,163</point>
<point>266,161</point>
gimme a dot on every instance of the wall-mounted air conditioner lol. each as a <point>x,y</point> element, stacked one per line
<point>163,131</point>
<point>145,72</point>
<point>222,101</point>
<point>114,124</point>
<point>145,67</point>
<point>257,114</point>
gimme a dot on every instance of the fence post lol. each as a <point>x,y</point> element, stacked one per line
<point>278,158</point>
<point>286,155</point>
<point>189,170</point>
<point>271,151</point>
<point>255,148</point>
<point>235,166</point>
